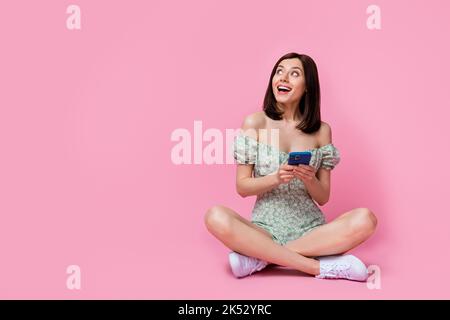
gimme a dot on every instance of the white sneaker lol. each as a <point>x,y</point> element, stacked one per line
<point>342,267</point>
<point>242,266</point>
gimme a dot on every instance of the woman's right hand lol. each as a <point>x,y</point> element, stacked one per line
<point>285,174</point>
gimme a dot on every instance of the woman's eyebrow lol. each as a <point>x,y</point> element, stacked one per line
<point>291,68</point>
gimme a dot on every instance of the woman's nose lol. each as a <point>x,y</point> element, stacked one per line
<point>284,77</point>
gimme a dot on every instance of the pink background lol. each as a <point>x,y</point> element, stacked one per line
<point>86,116</point>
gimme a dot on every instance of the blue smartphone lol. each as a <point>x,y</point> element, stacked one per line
<point>302,157</point>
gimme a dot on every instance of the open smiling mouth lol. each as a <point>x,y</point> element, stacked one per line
<point>283,89</point>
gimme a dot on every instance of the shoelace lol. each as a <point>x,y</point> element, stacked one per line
<point>337,269</point>
<point>253,264</point>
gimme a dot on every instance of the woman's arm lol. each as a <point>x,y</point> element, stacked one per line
<point>317,190</point>
<point>318,184</point>
<point>246,185</point>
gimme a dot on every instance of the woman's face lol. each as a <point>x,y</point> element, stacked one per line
<point>288,83</point>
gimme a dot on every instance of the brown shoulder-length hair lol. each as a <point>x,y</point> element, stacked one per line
<point>309,105</point>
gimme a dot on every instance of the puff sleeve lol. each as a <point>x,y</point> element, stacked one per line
<point>245,149</point>
<point>330,157</point>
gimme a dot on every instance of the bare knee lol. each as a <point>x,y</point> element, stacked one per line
<point>218,220</point>
<point>363,222</point>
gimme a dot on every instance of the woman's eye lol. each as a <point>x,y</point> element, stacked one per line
<point>279,71</point>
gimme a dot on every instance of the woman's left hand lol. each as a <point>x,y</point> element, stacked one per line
<point>305,173</point>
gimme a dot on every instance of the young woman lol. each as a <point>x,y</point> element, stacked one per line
<point>287,227</point>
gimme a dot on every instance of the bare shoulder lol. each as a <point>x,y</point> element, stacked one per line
<point>324,135</point>
<point>253,122</point>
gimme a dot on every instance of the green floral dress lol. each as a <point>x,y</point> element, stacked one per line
<point>287,211</point>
